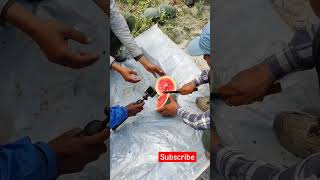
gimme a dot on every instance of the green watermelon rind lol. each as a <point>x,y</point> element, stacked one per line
<point>164,77</point>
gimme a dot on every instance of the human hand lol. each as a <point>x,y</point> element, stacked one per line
<point>129,75</point>
<point>126,73</point>
<point>248,86</point>
<point>134,109</point>
<point>52,37</point>
<point>169,109</point>
<point>152,68</point>
<point>73,151</point>
<point>187,88</point>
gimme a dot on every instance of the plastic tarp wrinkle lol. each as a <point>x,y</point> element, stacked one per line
<point>136,143</point>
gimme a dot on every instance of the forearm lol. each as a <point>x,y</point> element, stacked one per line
<point>24,160</point>
<point>117,67</point>
<point>233,164</point>
<point>196,121</point>
<point>120,28</point>
<point>22,19</point>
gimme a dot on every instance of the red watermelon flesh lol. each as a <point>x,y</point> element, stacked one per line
<point>165,83</point>
<point>161,100</point>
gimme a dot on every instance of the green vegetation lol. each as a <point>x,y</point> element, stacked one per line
<point>186,24</point>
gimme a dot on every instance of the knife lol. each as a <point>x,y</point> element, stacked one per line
<point>274,89</point>
<point>167,92</point>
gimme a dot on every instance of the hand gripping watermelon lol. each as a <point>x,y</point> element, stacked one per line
<point>164,83</point>
<point>161,101</point>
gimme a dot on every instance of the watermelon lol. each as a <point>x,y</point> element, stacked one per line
<point>162,100</point>
<point>165,83</point>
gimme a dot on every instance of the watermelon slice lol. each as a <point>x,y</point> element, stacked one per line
<point>162,100</point>
<point>165,83</point>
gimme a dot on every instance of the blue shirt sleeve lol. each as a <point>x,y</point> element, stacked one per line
<point>118,114</point>
<point>23,160</point>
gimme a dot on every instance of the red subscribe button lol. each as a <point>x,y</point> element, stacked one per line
<point>177,156</point>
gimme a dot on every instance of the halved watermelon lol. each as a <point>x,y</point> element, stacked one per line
<point>162,100</point>
<point>165,83</point>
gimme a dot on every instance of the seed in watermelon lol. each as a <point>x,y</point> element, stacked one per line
<point>161,101</point>
<point>165,83</point>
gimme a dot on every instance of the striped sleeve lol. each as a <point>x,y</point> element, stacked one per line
<point>196,121</point>
<point>297,56</point>
<point>203,78</point>
<point>120,28</point>
<point>233,164</point>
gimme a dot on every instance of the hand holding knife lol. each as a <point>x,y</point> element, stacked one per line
<point>172,92</point>
<point>274,89</point>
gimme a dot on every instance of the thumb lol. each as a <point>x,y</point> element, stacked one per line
<point>97,138</point>
<point>72,132</point>
<point>227,91</point>
<point>133,72</point>
<point>161,109</point>
<point>77,36</point>
<point>171,99</point>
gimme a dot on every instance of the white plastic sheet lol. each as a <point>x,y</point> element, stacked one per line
<point>136,143</point>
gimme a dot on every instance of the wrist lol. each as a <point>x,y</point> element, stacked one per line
<point>137,58</point>
<point>117,67</point>
<point>275,68</point>
<point>195,82</point>
<point>143,61</point>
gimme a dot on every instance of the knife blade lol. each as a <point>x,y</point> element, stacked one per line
<point>167,92</point>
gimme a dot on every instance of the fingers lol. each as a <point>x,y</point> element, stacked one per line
<point>154,75</point>
<point>160,71</point>
<point>228,91</point>
<point>239,100</point>
<point>133,80</point>
<point>140,105</point>
<point>77,36</point>
<point>172,99</point>
<point>162,109</point>
<point>72,132</point>
<point>133,72</point>
<point>79,60</point>
<point>100,137</point>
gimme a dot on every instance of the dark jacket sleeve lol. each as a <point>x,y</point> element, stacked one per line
<point>118,114</point>
<point>23,160</point>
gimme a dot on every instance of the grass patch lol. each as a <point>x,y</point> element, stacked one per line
<point>186,25</point>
